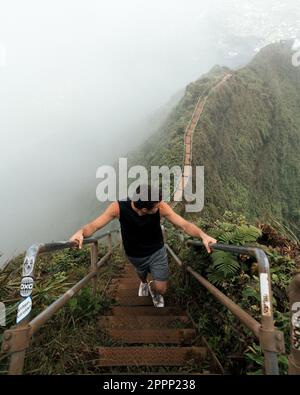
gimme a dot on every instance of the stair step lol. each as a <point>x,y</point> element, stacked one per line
<point>129,273</point>
<point>127,292</point>
<point>151,356</point>
<point>129,280</point>
<point>134,300</point>
<point>142,322</point>
<point>132,285</point>
<point>159,336</point>
<point>129,276</point>
<point>129,284</point>
<point>118,280</point>
<point>129,269</point>
<point>145,310</point>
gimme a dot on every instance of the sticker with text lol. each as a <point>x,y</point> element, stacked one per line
<point>26,286</point>
<point>296,325</point>
<point>24,309</point>
<point>265,294</point>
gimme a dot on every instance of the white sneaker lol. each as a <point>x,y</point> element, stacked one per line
<point>143,289</point>
<point>158,299</point>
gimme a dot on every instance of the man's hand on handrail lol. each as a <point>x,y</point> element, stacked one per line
<point>188,227</point>
<point>88,230</point>
<point>208,240</point>
<point>78,238</point>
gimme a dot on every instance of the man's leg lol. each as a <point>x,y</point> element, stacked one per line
<point>142,276</point>
<point>141,270</point>
<point>160,287</point>
<point>143,288</point>
<point>160,271</point>
<point>160,274</point>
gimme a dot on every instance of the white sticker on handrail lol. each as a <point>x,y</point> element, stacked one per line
<point>28,266</point>
<point>24,309</point>
<point>26,286</point>
<point>265,294</point>
<point>296,325</point>
<point>2,314</point>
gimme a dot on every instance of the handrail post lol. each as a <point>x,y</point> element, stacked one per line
<point>187,278</point>
<point>94,260</point>
<point>109,242</point>
<point>15,342</point>
<point>186,273</point>
<point>294,300</point>
<point>164,233</point>
<point>271,340</point>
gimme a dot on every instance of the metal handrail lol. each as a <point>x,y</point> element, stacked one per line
<point>34,250</point>
<point>271,340</point>
<point>17,339</point>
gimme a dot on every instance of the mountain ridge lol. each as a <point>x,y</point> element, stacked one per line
<point>248,137</point>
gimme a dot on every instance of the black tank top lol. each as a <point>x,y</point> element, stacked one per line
<point>141,234</point>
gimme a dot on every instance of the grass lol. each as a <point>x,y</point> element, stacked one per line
<point>61,345</point>
<point>235,346</point>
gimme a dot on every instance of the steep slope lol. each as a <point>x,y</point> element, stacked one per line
<point>248,138</point>
<point>251,133</point>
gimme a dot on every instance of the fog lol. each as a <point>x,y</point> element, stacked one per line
<point>83,82</point>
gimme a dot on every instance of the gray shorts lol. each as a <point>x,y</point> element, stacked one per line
<point>156,264</point>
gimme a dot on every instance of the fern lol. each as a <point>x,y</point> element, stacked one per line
<point>224,267</point>
<point>245,234</point>
<point>233,234</point>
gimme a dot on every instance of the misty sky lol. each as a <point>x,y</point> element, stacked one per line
<point>78,80</point>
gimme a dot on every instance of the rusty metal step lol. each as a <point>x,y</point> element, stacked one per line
<point>134,300</point>
<point>146,336</point>
<point>127,292</point>
<point>143,322</point>
<point>133,284</point>
<point>129,279</point>
<point>145,310</point>
<point>124,278</point>
<point>128,273</point>
<point>150,356</point>
<point>129,269</point>
<point>129,286</point>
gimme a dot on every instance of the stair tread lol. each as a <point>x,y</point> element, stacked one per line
<point>128,293</point>
<point>144,336</point>
<point>145,310</point>
<point>149,356</point>
<point>143,322</point>
<point>134,301</point>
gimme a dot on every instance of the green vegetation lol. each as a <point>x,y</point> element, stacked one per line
<point>66,343</point>
<point>237,277</point>
<point>247,139</point>
<point>165,148</point>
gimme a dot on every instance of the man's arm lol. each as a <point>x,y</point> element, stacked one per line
<point>109,214</point>
<point>186,226</point>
